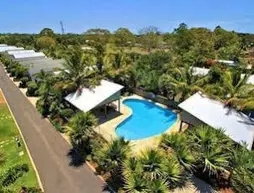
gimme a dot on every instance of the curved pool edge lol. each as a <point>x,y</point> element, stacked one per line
<point>168,130</point>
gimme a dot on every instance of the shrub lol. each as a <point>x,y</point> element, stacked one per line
<point>23,82</point>
<point>12,174</point>
<point>32,88</point>
<point>67,113</point>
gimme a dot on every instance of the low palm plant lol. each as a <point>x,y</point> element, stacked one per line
<point>177,143</point>
<point>153,171</point>
<point>112,156</point>
<point>211,149</point>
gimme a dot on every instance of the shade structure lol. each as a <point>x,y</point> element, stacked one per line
<point>27,55</point>
<point>20,52</point>
<point>7,48</point>
<point>236,125</point>
<point>95,97</point>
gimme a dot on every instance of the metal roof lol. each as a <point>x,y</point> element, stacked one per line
<point>236,125</point>
<point>20,52</point>
<point>28,55</point>
<point>200,71</point>
<point>90,98</point>
<point>7,48</point>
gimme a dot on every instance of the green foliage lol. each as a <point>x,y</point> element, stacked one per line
<point>149,68</point>
<point>23,82</point>
<point>32,88</point>
<point>45,42</point>
<point>179,144</point>
<point>12,174</point>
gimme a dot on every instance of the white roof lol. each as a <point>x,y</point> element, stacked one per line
<point>28,55</point>
<point>237,126</point>
<point>200,71</point>
<point>6,48</point>
<point>20,51</point>
<point>90,98</point>
<point>204,71</point>
<point>226,61</point>
<point>3,45</point>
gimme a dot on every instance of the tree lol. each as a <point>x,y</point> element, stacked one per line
<point>47,32</point>
<point>242,176</point>
<point>177,143</point>
<point>183,39</point>
<point>182,82</point>
<point>237,92</point>
<point>45,42</point>
<point>78,73</point>
<point>123,37</point>
<point>150,37</point>
<point>211,149</point>
<point>153,168</point>
<point>110,158</point>
<point>80,129</point>
<point>149,68</point>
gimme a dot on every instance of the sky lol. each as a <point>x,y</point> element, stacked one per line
<point>31,16</point>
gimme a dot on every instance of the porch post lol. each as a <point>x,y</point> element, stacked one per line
<point>119,105</point>
<point>181,125</point>
<point>105,110</point>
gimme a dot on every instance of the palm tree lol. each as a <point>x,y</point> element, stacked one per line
<point>157,186</point>
<point>152,163</point>
<point>237,92</point>
<point>242,176</point>
<point>177,143</point>
<point>211,149</point>
<point>152,168</point>
<point>112,156</point>
<point>80,127</point>
<point>78,72</point>
<point>1,158</point>
<point>182,82</point>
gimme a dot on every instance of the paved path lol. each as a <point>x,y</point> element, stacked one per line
<point>48,149</point>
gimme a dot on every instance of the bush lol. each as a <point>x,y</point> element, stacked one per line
<point>23,82</point>
<point>67,113</point>
<point>31,190</point>
<point>11,175</point>
<point>12,72</point>
<point>32,88</point>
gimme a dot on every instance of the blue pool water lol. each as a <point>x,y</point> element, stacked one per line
<point>147,120</point>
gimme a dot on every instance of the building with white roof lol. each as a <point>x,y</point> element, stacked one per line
<point>20,52</point>
<point>27,56</point>
<point>205,71</point>
<point>199,109</point>
<point>1,45</point>
<point>101,95</point>
<point>7,48</point>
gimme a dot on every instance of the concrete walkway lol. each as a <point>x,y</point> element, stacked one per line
<point>48,149</point>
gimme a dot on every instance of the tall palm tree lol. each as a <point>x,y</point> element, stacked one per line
<point>78,71</point>
<point>182,81</point>
<point>177,143</point>
<point>237,92</point>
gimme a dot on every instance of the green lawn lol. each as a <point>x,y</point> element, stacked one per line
<point>8,146</point>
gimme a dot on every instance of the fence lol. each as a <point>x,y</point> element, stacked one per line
<point>156,98</point>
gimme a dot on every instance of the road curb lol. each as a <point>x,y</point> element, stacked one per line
<point>27,149</point>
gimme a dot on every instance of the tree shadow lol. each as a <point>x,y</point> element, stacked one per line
<point>76,159</point>
<point>202,186</point>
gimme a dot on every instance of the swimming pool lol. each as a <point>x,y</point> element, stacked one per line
<point>147,120</point>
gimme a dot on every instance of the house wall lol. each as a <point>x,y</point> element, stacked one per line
<point>190,119</point>
<point>157,98</point>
